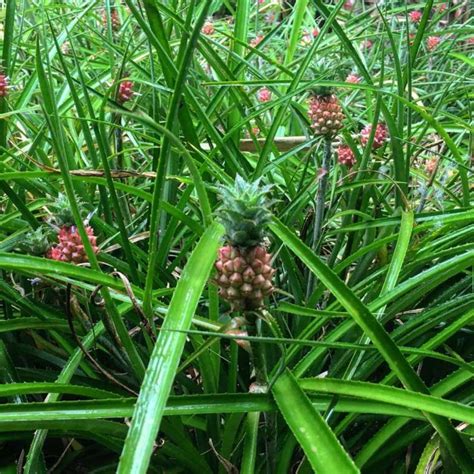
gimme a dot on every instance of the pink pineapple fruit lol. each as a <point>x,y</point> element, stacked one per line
<point>70,247</point>
<point>208,28</point>
<point>4,85</point>
<point>125,91</point>
<point>415,16</point>
<point>432,42</point>
<point>353,78</point>
<point>380,137</point>
<point>264,95</point>
<point>345,156</point>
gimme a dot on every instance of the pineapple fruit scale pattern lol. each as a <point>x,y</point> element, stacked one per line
<point>70,247</point>
<point>325,114</point>
<point>245,276</point>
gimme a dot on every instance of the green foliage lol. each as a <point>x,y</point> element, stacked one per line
<point>130,362</point>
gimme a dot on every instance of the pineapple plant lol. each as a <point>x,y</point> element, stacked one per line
<point>69,247</point>
<point>125,91</point>
<point>325,113</point>
<point>114,20</point>
<point>415,16</point>
<point>244,267</point>
<point>264,95</point>
<point>432,42</point>
<point>4,85</point>
<point>380,136</point>
<point>36,242</point>
<point>345,156</point>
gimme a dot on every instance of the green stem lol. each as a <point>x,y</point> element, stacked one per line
<point>258,352</point>
<point>320,205</point>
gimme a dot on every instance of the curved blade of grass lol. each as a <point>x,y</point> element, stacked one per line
<point>9,389</point>
<point>374,445</point>
<point>396,396</point>
<point>166,355</point>
<point>322,448</point>
<point>18,415</point>
<point>375,331</point>
<point>393,273</point>
<point>242,21</point>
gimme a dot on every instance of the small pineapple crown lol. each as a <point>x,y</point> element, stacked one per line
<point>244,212</point>
<point>62,211</point>
<point>36,242</point>
<point>321,91</point>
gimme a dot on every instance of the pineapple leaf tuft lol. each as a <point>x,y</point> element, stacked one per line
<point>62,211</point>
<point>245,212</point>
<point>321,91</point>
<point>36,242</point>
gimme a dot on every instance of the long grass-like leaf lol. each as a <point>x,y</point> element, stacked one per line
<point>319,443</point>
<point>375,332</point>
<point>166,354</point>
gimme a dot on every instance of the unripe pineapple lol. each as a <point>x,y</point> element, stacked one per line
<point>325,114</point>
<point>244,269</point>
<point>70,247</point>
<point>4,85</point>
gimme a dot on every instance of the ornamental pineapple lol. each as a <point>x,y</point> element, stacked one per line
<point>70,247</point>
<point>415,16</point>
<point>264,95</point>
<point>353,78</point>
<point>125,91</point>
<point>4,85</point>
<point>114,19</point>
<point>325,114</point>
<point>345,156</point>
<point>432,42</point>
<point>380,136</point>
<point>244,269</point>
<point>208,28</point>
